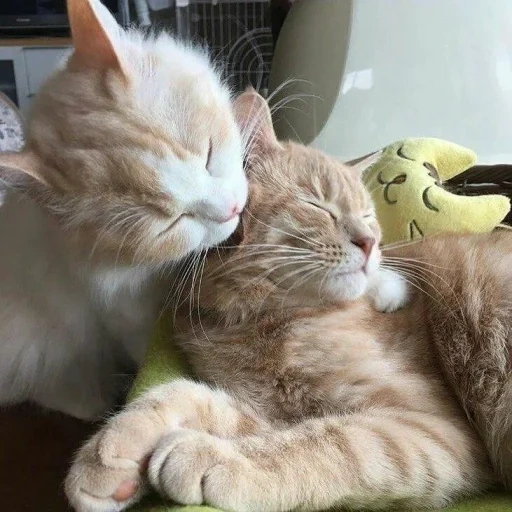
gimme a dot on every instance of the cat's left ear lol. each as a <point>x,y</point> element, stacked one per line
<point>362,164</point>
<point>95,33</point>
<point>16,167</point>
<point>254,119</point>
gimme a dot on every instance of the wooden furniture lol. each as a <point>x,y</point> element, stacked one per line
<point>26,63</point>
<point>36,447</point>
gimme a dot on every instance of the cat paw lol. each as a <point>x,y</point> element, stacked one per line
<point>108,474</point>
<point>194,468</point>
<point>388,291</point>
<point>96,483</point>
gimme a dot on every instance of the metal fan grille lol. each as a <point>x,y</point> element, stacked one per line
<point>238,33</point>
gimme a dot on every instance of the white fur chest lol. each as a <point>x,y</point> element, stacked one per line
<point>128,301</point>
<point>65,327</point>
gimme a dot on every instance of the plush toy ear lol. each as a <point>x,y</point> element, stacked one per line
<point>447,158</point>
<point>362,164</point>
<point>253,116</point>
<point>94,31</point>
<point>15,168</point>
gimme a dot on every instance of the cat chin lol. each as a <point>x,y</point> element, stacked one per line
<point>197,236</point>
<point>217,233</point>
<point>346,287</point>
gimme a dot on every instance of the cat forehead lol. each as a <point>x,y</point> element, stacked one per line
<point>162,66</point>
<point>176,86</point>
<point>314,174</point>
<point>152,113</point>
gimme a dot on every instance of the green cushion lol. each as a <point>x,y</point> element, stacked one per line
<point>491,503</point>
<point>155,504</point>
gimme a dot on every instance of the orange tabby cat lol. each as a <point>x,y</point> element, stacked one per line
<point>315,402</point>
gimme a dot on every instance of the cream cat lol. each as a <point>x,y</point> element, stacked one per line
<point>311,401</point>
<point>133,159</point>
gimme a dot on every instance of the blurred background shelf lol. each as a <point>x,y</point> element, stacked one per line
<point>238,33</point>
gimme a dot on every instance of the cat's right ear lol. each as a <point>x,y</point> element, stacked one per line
<point>254,119</point>
<point>19,168</point>
<point>95,33</point>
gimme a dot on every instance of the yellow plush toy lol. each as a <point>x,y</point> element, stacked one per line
<point>406,183</point>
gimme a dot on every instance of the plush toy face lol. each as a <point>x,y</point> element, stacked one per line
<point>407,187</point>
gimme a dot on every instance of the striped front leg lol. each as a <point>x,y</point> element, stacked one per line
<point>375,460</point>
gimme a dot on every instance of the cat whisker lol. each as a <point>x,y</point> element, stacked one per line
<point>305,240</point>
<point>284,104</point>
<point>287,276</point>
<point>175,297</point>
<point>252,253</point>
<point>199,296</point>
<point>250,131</point>
<point>261,277</point>
<point>113,225</point>
<point>134,226</point>
<point>413,274</point>
<point>262,246</point>
<point>201,261</point>
<point>284,84</point>
<point>254,260</point>
<point>178,298</point>
<point>300,97</point>
<point>104,231</point>
<point>409,279</point>
<point>322,282</point>
<point>264,258</point>
<point>414,260</point>
<point>418,268</point>
<point>309,275</point>
<point>399,245</point>
<point>191,294</point>
<point>260,262</point>
<point>191,289</point>
<point>285,100</point>
<point>292,128</point>
<point>219,255</point>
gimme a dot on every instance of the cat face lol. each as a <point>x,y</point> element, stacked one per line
<point>133,145</point>
<point>310,226</point>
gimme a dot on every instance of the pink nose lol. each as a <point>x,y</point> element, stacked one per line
<point>365,243</point>
<point>234,212</point>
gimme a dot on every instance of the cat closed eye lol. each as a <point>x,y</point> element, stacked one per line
<point>170,226</point>
<point>325,210</point>
<point>209,156</point>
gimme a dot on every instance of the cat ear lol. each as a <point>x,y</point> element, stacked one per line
<point>16,167</point>
<point>94,31</point>
<point>253,116</point>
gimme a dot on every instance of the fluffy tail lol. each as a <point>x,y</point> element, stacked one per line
<point>474,343</point>
<point>470,318</point>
